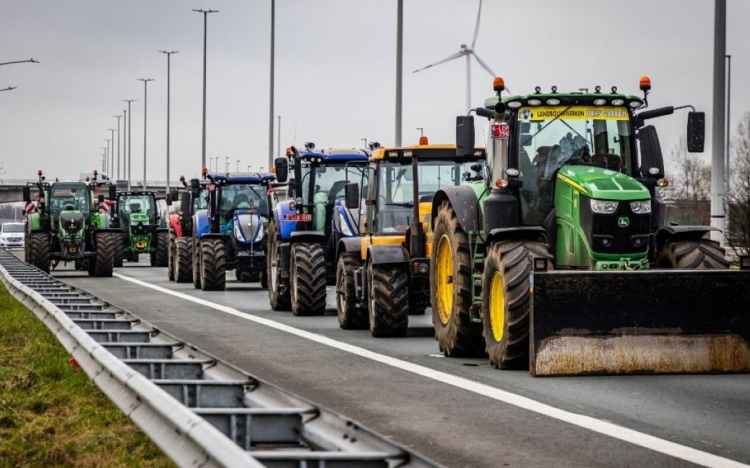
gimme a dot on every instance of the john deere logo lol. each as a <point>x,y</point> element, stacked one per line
<point>624,221</point>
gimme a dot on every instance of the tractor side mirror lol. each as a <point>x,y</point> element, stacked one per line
<point>171,197</point>
<point>352,195</point>
<point>27,194</point>
<point>652,161</point>
<point>464,135</point>
<point>696,132</point>
<point>113,192</point>
<point>100,198</point>
<point>281,166</point>
<point>195,183</point>
<point>185,205</point>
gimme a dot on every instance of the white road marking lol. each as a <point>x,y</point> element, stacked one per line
<point>602,427</point>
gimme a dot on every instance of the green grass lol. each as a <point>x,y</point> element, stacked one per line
<point>51,414</point>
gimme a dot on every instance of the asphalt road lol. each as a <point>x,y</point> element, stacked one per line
<point>454,425</point>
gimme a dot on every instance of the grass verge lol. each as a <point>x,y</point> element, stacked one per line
<point>50,412</point>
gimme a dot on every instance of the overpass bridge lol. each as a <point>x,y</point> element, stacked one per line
<point>11,190</point>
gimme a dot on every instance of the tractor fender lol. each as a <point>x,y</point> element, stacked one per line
<point>212,235</point>
<point>536,233</point>
<point>680,233</point>
<point>464,200</point>
<point>174,223</point>
<point>202,223</point>
<point>307,236</point>
<point>349,244</point>
<point>387,254</point>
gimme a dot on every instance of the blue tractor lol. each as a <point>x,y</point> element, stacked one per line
<point>231,233</point>
<point>305,229</point>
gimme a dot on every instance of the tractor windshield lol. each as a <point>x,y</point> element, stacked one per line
<point>68,197</point>
<point>395,191</point>
<point>136,203</point>
<point>242,197</point>
<point>330,181</point>
<point>550,137</point>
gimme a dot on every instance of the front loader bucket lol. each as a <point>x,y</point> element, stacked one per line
<point>640,322</point>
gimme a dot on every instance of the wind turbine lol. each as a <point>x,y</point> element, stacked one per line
<point>467,52</point>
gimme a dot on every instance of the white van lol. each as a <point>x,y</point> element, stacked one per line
<point>12,235</point>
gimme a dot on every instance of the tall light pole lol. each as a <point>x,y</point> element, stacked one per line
<point>118,117</point>
<point>727,186</point>
<point>169,57</point>
<point>104,160</point>
<point>130,131</point>
<point>365,140</point>
<point>112,153</point>
<point>106,157</point>
<point>226,164</point>
<point>399,67</point>
<point>278,136</point>
<point>145,115</point>
<point>238,165</point>
<point>124,147</point>
<point>271,92</point>
<point>719,113</point>
<point>205,43</point>
<point>210,163</point>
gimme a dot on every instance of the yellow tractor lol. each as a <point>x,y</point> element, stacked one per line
<point>382,277</point>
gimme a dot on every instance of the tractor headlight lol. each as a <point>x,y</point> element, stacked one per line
<point>345,230</point>
<point>641,207</point>
<point>604,206</point>
<point>238,233</point>
<point>259,234</point>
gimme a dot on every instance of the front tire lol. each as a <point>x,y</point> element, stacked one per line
<point>183,262</point>
<point>162,246</point>
<point>350,316</point>
<point>388,300</point>
<point>106,243</point>
<point>702,254</point>
<point>506,301</point>
<point>38,250</point>
<point>171,256</point>
<point>278,287</point>
<point>451,287</point>
<point>308,279</point>
<point>196,260</point>
<point>213,265</point>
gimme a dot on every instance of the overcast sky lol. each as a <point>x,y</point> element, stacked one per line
<point>335,70</point>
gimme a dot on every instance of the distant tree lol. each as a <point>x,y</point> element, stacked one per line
<point>691,174</point>
<point>739,195</point>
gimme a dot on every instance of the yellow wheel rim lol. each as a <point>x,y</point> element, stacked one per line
<point>497,307</point>
<point>444,277</point>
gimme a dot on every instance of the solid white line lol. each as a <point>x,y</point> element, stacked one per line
<point>609,429</point>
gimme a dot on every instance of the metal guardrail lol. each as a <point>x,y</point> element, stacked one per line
<point>201,411</point>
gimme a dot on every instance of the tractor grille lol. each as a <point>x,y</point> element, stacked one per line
<point>605,235</point>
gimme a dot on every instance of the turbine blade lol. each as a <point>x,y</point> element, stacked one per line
<point>476,28</point>
<point>482,64</point>
<point>447,59</point>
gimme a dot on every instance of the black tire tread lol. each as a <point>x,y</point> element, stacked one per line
<point>389,301</point>
<point>308,285</point>
<point>162,248</point>
<point>213,265</point>
<point>38,250</point>
<point>106,244</point>
<point>350,316</point>
<point>183,264</point>
<point>702,254</point>
<point>279,298</point>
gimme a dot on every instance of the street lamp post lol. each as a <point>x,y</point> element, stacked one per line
<point>118,146</point>
<point>112,153</point>
<point>205,42</point>
<point>727,185</point>
<point>104,160</point>
<point>278,136</point>
<point>421,131</point>
<point>169,57</point>
<point>106,157</point>
<point>248,167</point>
<point>271,92</point>
<point>719,109</point>
<point>130,131</point>
<point>145,115</point>
<point>226,164</point>
<point>124,140</point>
<point>210,163</point>
<point>365,140</point>
<point>399,66</point>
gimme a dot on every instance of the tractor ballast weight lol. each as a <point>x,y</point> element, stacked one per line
<point>305,229</point>
<point>384,276</point>
<point>231,233</point>
<point>574,269</point>
<point>69,222</point>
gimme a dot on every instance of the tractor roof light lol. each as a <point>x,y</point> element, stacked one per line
<point>663,182</point>
<point>535,102</point>
<point>618,102</point>
<point>600,102</point>
<point>635,104</point>
<point>423,140</point>
<point>498,84</point>
<point>553,102</point>
<point>514,104</point>
<point>204,172</point>
<point>501,183</point>
<point>512,172</point>
<point>645,84</point>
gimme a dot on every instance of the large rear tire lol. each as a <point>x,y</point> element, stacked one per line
<point>38,250</point>
<point>247,276</point>
<point>264,279</point>
<point>702,254</point>
<point>450,287</point>
<point>213,265</point>
<point>196,260</point>
<point>162,248</point>
<point>119,254</point>
<point>388,300</point>
<point>171,256</point>
<point>308,279</point>
<point>183,263</point>
<point>506,300</point>
<point>106,243</point>
<point>278,287</point>
<point>350,316</point>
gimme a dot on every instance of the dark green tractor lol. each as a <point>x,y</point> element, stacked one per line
<point>70,223</point>
<point>143,231</point>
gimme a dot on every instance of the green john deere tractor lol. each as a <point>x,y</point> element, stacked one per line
<point>135,214</point>
<point>565,262</point>
<point>68,225</point>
